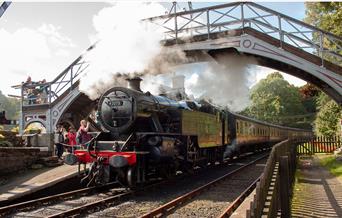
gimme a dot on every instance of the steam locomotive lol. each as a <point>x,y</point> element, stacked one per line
<point>146,136</point>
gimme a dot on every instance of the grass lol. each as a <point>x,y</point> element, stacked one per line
<point>334,166</point>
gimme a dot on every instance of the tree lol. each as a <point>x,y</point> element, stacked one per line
<point>327,122</point>
<point>275,100</point>
<point>326,16</point>
<point>11,106</point>
<point>309,94</point>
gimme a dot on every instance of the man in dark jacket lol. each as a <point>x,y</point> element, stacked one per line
<point>59,139</point>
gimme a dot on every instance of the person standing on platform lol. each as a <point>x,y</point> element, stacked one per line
<point>83,135</point>
<point>59,140</point>
<point>71,139</point>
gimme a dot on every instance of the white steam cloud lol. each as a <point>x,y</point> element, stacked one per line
<point>126,47</point>
<point>225,83</point>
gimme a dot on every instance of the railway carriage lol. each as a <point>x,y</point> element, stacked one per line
<point>146,136</point>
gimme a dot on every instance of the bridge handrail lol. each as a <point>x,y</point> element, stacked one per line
<point>209,23</point>
<point>236,4</point>
<point>4,6</point>
<point>63,82</point>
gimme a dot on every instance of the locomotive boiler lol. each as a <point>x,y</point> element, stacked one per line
<point>146,136</point>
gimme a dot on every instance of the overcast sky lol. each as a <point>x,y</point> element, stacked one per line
<point>41,39</point>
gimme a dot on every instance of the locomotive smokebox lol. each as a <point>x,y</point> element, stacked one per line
<point>134,83</point>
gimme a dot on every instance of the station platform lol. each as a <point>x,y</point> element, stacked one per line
<point>31,181</point>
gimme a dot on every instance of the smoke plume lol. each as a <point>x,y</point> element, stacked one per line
<point>225,82</point>
<point>126,47</point>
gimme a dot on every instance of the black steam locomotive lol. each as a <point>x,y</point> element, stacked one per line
<point>148,136</point>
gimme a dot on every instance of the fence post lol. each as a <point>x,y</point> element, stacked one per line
<point>284,187</point>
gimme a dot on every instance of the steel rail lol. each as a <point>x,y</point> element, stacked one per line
<point>164,209</point>
<point>100,203</point>
<point>238,201</point>
<point>40,201</point>
<point>83,208</point>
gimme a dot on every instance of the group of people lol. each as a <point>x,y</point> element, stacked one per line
<point>35,92</point>
<point>71,138</point>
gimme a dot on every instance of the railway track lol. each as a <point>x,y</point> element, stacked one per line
<point>143,204</point>
<point>210,199</point>
<point>83,202</point>
<point>237,202</point>
<point>45,201</point>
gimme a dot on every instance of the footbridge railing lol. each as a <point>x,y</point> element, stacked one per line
<point>3,7</point>
<point>232,16</point>
<point>46,93</point>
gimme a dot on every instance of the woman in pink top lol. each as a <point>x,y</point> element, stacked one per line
<point>83,131</point>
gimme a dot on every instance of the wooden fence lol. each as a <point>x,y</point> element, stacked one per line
<point>274,190</point>
<point>320,145</point>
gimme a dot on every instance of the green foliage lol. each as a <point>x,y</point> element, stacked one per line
<point>11,106</point>
<point>334,166</point>
<point>309,94</point>
<point>327,122</point>
<point>326,16</point>
<point>275,100</point>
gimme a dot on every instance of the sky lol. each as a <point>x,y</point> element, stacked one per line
<point>40,39</point>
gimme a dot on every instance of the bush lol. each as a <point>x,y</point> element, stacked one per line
<point>12,138</point>
<point>334,166</point>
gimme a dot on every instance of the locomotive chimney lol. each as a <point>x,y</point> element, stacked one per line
<point>134,83</point>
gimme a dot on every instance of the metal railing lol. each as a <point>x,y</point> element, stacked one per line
<point>208,20</point>
<point>4,6</point>
<point>232,16</point>
<point>46,93</point>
